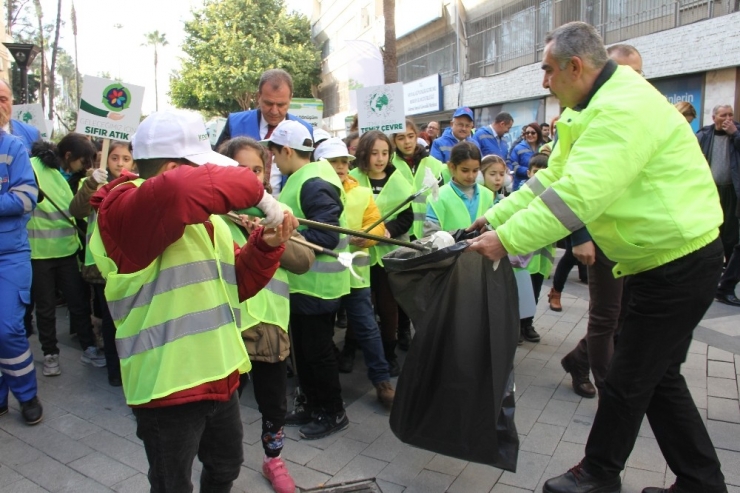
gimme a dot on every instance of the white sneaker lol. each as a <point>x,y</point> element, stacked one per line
<point>51,365</point>
<point>93,356</point>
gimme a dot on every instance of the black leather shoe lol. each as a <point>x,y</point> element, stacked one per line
<point>577,480</point>
<point>727,299</point>
<point>581,383</point>
<point>32,411</point>
<point>654,489</point>
<point>115,381</point>
<point>530,334</point>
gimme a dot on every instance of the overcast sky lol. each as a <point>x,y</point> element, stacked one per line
<point>104,48</point>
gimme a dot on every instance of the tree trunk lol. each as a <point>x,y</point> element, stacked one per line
<point>390,60</point>
<point>42,82</point>
<point>156,90</point>
<point>54,60</point>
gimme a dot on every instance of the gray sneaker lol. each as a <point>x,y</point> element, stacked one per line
<point>51,365</point>
<point>93,356</point>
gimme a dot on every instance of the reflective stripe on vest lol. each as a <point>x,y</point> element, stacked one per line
<point>323,280</point>
<point>419,206</point>
<point>394,192</point>
<point>271,304</point>
<point>50,232</point>
<point>177,318</point>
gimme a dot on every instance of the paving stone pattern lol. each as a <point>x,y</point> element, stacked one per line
<point>87,441</point>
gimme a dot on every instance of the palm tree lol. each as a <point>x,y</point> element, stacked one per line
<point>155,39</point>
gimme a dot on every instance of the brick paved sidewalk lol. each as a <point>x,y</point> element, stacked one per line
<point>87,441</point>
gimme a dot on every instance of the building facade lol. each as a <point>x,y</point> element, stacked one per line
<point>487,54</point>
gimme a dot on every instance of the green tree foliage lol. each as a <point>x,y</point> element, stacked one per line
<point>229,43</point>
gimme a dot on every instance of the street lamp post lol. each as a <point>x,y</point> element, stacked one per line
<point>24,54</point>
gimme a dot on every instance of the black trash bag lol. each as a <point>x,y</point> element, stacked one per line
<point>455,395</point>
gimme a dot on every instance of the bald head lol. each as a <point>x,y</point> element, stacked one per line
<point>625,54</point>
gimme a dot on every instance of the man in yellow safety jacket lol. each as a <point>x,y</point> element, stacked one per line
<point>627,167</point>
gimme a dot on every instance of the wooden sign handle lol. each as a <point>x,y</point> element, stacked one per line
<point>104,154</point>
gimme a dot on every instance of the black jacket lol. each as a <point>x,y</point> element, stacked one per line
<point>706,138</point>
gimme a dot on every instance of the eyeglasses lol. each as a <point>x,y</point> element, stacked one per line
<point>530,133</point>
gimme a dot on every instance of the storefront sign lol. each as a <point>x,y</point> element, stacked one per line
<point>688,88</point>
<point>423,95</point>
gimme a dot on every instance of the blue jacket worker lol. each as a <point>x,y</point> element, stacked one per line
<point>492,138</point>
<point>27,133</point>
<point>18,193</point>
<point>461,129</point>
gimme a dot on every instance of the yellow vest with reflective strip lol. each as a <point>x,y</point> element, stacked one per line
<point>50,234</point>
<point>327,279</point>
<point>358,200</point>
<point>271,304</point>
<point>177,320</point>
<point>419,205</point>
<point>396,190</point>
<point>451,210</point>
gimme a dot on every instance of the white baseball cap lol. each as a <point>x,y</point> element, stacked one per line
<point>320,134</point>
<point>176,134</point>
<point>291,134</point>
<point>332,148</point>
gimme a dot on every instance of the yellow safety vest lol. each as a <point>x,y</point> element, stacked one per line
<point>177,320</point>
<point>419,205</point>
<point>396,190</point>
<point>358,200</point>
<point>50,233</point>
<point>327,279</point>
<point>271,304</point>
<point>452,211</point>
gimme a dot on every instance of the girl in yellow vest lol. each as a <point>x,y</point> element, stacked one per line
<point>390,188</point>
<point>119,159</point>
<point>461,200</point>
<point>264,326</point>
<point>494,171</point>
<point>54,246</point>
<point>412,160</point>
<point>361,212</point>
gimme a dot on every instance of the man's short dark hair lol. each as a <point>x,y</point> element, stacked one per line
<point>544,124</point>
<point>275,78</point>
<point>148,168</point>
<point>503,117</point>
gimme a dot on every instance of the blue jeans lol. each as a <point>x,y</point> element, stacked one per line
<point>361,317</point>
<point>174,435</point>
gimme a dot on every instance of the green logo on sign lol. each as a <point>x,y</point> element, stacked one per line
<point>116,97</point>
<point>380,104</point>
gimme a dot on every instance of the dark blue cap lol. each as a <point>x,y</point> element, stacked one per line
<point>464,111</point>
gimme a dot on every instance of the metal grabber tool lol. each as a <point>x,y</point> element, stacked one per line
<point>346,259</point>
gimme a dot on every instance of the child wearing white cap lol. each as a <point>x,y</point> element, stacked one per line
<point>361,214</point>
<point>175,280</point>
<point>313,191</point>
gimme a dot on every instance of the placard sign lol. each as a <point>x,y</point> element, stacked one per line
<point>109,109</point>
<point>307,109</point>
<point>32,114</point>
<point>381,108</point>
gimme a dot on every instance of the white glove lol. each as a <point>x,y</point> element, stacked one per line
<point>272,210</point>
<point>100,176</point>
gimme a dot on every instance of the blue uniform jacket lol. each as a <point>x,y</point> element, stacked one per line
<point>490,143</point>
<point>518,162</point>
<point>442,146</point>
<point>18,193</point>
<point>27,133</point>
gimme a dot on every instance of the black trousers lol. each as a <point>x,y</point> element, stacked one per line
<point>565,265</point>
<point>270,383</point>
<point>62,273</point>
<point>537,280</point>
<point>316,361</point>
<point>596,349</point>
<point>174,435</point>
<point>729,231</point>
<point>666,304</point>
<point>108,329</point>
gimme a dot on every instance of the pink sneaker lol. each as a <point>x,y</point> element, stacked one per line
<point>276,472</point>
